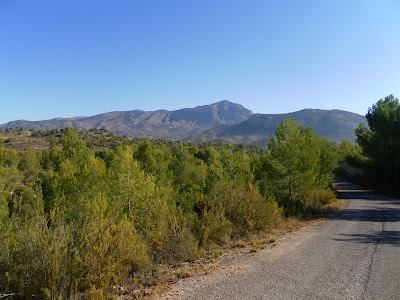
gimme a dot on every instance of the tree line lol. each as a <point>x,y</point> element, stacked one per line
<point>380,144</point>
<point>74,220</point>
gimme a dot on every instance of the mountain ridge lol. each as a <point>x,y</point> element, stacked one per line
<point>222,121</point>
<point>335,124</point>
<point>153,124</point>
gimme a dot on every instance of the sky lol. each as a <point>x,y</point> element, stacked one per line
<point>82,58</point>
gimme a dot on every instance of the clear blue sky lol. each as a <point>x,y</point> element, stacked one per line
<point>81,58</point>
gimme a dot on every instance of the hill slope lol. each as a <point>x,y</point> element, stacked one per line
<point>220,122</point>
<point>335,124</point>
<point>152,124</point>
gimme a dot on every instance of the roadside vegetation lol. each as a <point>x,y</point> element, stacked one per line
<point>375,161</point>
<point>79,218</point>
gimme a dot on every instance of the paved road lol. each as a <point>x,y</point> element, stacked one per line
<point>354,255</point>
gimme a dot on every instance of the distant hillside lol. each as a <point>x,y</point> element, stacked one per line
<point>150,124</point>
<point>220,122</point>
<point>335,124</point>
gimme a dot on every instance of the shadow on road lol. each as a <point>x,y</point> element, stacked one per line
<point>381,237</point>
<point>372,208</point>
<point>369,215</point>
<point>359,194</point>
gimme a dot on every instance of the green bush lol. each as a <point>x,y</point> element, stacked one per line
<point>245,208</point>
<point>213,227</point>
<point>172,240</point>
<point>314,200</point>
<point>95,294</point>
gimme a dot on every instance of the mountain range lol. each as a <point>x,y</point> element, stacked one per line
<point>336,124</point>
<point>223,121</point>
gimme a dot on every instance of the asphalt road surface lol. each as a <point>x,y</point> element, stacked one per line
<point>353,255</point>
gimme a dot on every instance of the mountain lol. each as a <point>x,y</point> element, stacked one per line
<point>152,124</point>
<point>219,122</point>
<point>335,124</point>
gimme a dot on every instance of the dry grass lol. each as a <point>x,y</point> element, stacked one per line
<point>23,141</point>
<point>161,278</point>
<point>240,244</point>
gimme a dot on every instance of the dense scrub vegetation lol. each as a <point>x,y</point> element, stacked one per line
<point>375,161</point>
<point>74,221</point>
<point>100,139</point>
<point>380,144</point>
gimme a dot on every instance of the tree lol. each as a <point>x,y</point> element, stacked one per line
<point>293,164</point>
<point>132,187</point>
<point>381,144</point>
<point>236,166</point>
<point>73,147</point>
<point>188,172</point>
<point>329,158</point>
<point>153,159</point>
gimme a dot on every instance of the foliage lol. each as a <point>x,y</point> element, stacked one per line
<point>244,207</point>
<point>298,160</point>
<point>76,219</point>
<point>381,145</point>
<point>314,200</point>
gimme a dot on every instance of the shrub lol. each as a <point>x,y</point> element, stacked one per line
<point>179,246</point>
<point>213,227</point>
<point>245,208</point>
<point>172,241</point>
<point>57,261</point>
<point>314,200</point>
